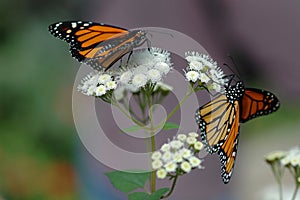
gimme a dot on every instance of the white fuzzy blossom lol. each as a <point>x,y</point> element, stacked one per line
<point>292,157</point>
<point>286,158</point>
<point>203,69</point>
<point>281,160</point>
<point>177,156</point>
<point>97,84</point>
<point>145,67</point>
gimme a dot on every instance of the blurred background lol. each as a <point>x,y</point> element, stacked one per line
<point>41,156</point>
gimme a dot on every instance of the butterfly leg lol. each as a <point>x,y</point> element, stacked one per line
<point>129,56</point>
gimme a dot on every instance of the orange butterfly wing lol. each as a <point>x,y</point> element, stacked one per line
<point>219,125</point>
<point>256,103</point>
<point>219,120</point>
<point>98,45</point>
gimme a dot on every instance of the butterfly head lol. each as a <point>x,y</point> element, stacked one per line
<point>235,92</point>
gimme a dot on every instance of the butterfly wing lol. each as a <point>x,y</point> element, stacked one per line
<point>218,121</point>
<point>256,103</point>
<point>96,44</point>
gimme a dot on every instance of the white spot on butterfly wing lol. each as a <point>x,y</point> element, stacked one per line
<point>73,24</point>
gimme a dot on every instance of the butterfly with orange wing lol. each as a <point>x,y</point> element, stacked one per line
<point>96,44</point>
<point>220,118</point>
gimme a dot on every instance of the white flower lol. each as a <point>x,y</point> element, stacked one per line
<point>295,161</point>
<point>196,65</point>
<point>161,173</point>
<point>193,134</point>
<point>126,77</point>
<point>285,161</point>
<point>186,153</point>
<point>216,87</point>
<point>208,73</point>
<point>198,145</point>
<point>144,66</point>
<point>156,164</point>
<point>156,155</point>
<point>204,78</point>
<point>139,80</point>
<point>186,167</point>
<point>104,78</point>
<point>192,76</point>
<point>176,144</point>
<point>171,167</point>
<point>141,69</point>
<point>181,137</point>
<point>177,154</point>
<point>91,90</point>
<point>291,157</point>
<point>195,162</point>
<point>154,75</point>
<point>275,155</point>
<point>191,140</point>
<point>100,90</point>
<point>165,147</point>
<point>177,157</point>
<point>111,85</point>
<point>163,67</point>
<point>167,156</point>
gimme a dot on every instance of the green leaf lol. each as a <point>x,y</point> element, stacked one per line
<point>131,129</point>
<point>158,194</point>
<point>170,125</point>
<point>128,181</point>
<point>145,196</point>
<point>138,196</point>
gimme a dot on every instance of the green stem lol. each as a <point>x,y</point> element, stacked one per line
<point>296,175</point>
<point>130,117</point>
<point>153,146</point>
<point>277,171</point>
<point>296,191</point>
<point>153,174</point>
<point>188,94</point>
<point>172,187</point>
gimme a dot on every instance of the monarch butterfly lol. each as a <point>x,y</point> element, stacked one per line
<point>96,44</point>
<point>219,120</point>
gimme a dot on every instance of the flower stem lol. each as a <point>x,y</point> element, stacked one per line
<point>152,140</point>
<point>295,192</point>
<point>172,187</point>
<point>188,94</point>
<point>278,172</point>
<point>137,122</point>
<point>296,176</point>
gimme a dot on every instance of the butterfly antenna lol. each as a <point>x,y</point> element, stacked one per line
<point>230,78</point>
<point>235,65</point>
<point>160,33</point>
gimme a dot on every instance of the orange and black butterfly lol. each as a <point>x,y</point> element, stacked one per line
<point>96,44</point>
<point>220,118</point>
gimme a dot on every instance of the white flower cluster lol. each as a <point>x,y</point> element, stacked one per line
<point>145,66</point>
<point>286,158</point>
<point>178,156</point>
<point>97,84</point>
<point>203,69</point>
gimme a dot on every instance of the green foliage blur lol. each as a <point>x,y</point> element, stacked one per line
<point>36,79</point>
